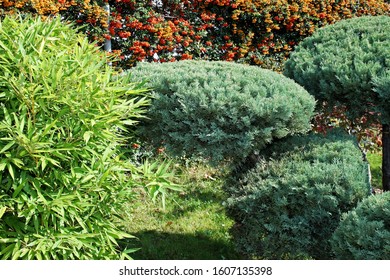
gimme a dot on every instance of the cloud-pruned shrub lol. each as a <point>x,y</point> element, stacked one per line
<point>289,204</point>
<point>221,110</point>
<point>364,232</point>
<point>347,64</point>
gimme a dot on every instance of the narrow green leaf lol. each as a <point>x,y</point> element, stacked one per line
<point>36,223</point>
<point>87,136</point>
<point>81,222</point>
<point>3,165</point>
<point>11,170</point>
<point>7,251</point>
<point>18,162</point>
<point>38,255</point>
<point>16,252</point>
<point>2,211</point>
<point>43,163</point>
<point>8,240</point>
<point>41,46</point>
<point>6,147</point>
<point>46,254</point>
<point>87,178</point>
<point>18,190</point>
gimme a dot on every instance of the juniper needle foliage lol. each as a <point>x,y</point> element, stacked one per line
<point>364,232</point>
<point>288,206</point>
<point>347,63</point>
<point>221,110</point>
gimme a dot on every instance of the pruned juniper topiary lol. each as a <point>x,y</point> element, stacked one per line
<point>290,203</point>
<point>348,63</point>
<point>220,110</point>
<point>364,232</point>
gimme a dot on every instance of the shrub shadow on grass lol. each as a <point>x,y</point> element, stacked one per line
<point>174,246</point>
<point>195,200</point>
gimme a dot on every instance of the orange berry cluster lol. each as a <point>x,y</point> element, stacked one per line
<point>261,32</point>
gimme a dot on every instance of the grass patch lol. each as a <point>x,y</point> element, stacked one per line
<point>375,161</point>
<point>192,226</point>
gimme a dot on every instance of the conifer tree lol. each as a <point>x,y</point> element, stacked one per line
<point>220,110</point>
<point>348,64</point>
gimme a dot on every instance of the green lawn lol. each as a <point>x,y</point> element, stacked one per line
<point>375,160</point>
<point>193,225</point>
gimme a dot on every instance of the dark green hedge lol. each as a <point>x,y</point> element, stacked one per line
<point>288,206</point>
<point>364,232</point>
<point>221,110</point>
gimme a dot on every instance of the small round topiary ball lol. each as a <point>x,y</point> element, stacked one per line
<point>364,233</point>
<point>221,110</point>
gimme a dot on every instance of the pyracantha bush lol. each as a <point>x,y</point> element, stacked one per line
<point>259,32</point>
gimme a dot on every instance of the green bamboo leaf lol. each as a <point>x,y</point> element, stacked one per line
<point>11,170</point>
<point>8,240</point>
<point>22,123</point>
<point>48,128</point>
<point>9,51</point>
<point>18,162</point>
<point>46,254</point>
<point>163,198</point>
<point>3,165</point>
<point>46,160</point>
<point>23,253</point>
<point>80,221</point>
<point>2,211</point>
<point>18,190</point>
<point>87,135</point>
<point>16,252</point>
<point>41,245</point>
<point>7,251</point>
<point>40,50</point>
<point>36,223</point>
<point>58,102</point>
<point>162,168</point>
<point>87,178</point>
<point>43,163</point>
<point>7,147</point>
<point>112,239</point>
<point>52,38</point>
<point>57,244</point>
<point>38,255</point>
<point>175,187</point>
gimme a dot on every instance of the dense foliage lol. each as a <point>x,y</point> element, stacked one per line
<point>260,32</point>
<point>221,110</point>
<point>62,113</point>
<point>289,204</point>
<point>364,232</point>
<point>347,64</point>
